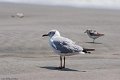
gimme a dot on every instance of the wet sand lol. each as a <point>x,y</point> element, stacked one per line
<point>25,55</point>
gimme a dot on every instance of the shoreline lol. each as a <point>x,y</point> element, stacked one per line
<point>59,6</point>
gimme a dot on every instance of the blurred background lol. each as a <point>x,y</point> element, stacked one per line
<point>109,4</point>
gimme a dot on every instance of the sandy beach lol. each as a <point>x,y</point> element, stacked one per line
<point>25,55</point>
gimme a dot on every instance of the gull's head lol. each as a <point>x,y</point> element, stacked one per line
<point>52,33</point>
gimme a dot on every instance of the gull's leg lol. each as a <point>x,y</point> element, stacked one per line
<point>60,62</point>
<point>64,62</point>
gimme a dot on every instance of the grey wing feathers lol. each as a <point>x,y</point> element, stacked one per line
<point>66,46</point>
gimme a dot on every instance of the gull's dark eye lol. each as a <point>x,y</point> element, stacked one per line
<point>52,33</point>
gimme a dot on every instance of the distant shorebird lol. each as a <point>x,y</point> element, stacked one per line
<point>64,46</point>
<point>93,34</point>
<point>19,15</point>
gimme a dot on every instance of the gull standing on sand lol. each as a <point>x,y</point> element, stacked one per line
<point>93,34</point>
<point>64,46</point>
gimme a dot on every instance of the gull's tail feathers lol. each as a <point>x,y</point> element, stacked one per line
<point>86,50</point>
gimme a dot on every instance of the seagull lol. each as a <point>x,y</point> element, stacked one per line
<point>93,34</point>
<point>64,46</point>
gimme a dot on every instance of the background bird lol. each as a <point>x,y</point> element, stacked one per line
<point>64,46</point>
<point>93,34</point>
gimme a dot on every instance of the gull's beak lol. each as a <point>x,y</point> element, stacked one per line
<point>44,35</point>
